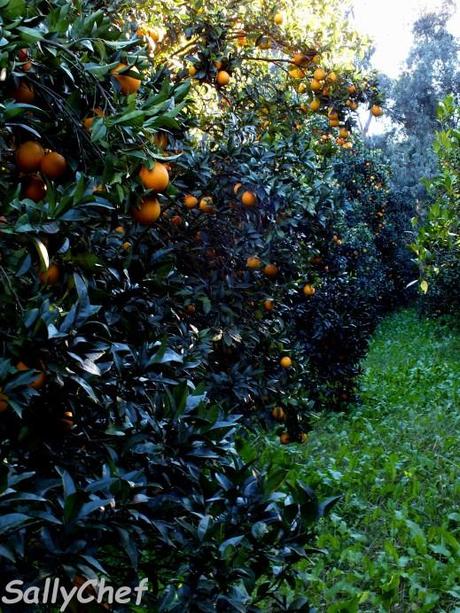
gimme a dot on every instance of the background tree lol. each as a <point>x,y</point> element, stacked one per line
<point>431,71</point>
<point>437,243</point>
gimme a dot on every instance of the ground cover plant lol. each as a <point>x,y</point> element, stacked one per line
<point>392,543</point>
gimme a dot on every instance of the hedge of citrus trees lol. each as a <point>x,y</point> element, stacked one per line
<point>193,242</point>
<point>437,244</point>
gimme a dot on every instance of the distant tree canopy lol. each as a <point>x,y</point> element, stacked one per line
<point>430,73</point>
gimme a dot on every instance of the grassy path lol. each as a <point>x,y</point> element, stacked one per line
<point>393,542</point>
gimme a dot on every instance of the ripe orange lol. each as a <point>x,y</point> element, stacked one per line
<point>315,104</point>
<point>206,205</point>
<point>253,262</point>
<point>192,70</point>
<point>34,188</point>
<point>223,78</point>
<point>3,402</point>
<point>154,34</point>
<point>334,123</point>
<point>50,276</point>
<point>352,104</point>
<point>285,438</point>
<point>126,246</point>
<point>128,85</point>
<point>37,383</point>
<point>88,121</point>
<point>190,201</point>
<point>24,93</point>
<point>67,421</point>
<point>23,55</point>
<point>147,212</point>
<point>331,77</point>
<point>278,19</point>
<point>352,89</point>
<point>319,74</point>
<point>296,73</point>
<point>120,230</point>
<point>156,178</point>
<point>269,304</point>
<point>248,199</point>
<point>286,362</point>
<point>315,85</point>
<point>279,414</point>
<point>309,290</point>
<point>343,133</point>
<point>299,59</point>
<point>271,270</point>
<point>242,41</point>
<point>376,110</point>
<point>53,165</point>
<point>29,156</point>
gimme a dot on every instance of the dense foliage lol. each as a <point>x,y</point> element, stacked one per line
<point>437,244</point>
<point>147,323</point>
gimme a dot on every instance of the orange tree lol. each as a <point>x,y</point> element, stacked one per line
<point>296,270</point>
<point>291,313</point>
<point>167,271</point>
<point>107,434</point>
<point>365,179</point>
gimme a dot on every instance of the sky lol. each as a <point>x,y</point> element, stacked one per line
<point>389,22</point>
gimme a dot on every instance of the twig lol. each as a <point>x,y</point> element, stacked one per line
<point>267,59</point>
<point>11,288</point>
<point>185,47</point>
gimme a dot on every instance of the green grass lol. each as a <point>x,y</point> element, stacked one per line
<point>393,542</point>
